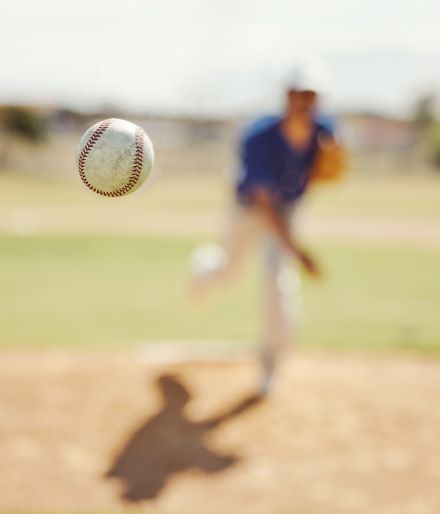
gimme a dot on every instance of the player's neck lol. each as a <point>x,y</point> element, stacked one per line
<point>297,129</point>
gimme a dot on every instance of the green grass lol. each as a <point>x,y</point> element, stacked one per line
<point>106,289</point>
<point>88,290</point>
<point>72,280</point>
<point>376,297</point>
<point>402,197</point>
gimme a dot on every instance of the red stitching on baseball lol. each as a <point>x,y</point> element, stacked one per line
<point>136,169</point>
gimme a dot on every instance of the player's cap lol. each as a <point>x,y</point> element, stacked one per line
<point>306,77</point>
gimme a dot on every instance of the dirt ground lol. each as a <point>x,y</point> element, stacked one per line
<point>104,432</point>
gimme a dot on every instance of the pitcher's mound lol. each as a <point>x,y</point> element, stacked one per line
<point>100,432</point>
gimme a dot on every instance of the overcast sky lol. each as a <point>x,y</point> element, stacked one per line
<point>215,56</point>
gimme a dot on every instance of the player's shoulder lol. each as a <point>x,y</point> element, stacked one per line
<point>326,123</point>
<point>260,128</point>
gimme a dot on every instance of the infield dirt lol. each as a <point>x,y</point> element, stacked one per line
<point>97,432</point>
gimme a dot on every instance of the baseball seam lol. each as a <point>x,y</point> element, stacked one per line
<point>136,169</point>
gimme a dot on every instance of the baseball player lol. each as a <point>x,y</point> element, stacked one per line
<point>279,157</point>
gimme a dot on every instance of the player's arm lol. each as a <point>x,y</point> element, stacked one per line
<point>262,201</point>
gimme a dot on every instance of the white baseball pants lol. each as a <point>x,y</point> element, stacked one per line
<point>281,301</point>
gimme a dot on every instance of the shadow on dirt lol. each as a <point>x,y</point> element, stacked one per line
<point>170,443</point>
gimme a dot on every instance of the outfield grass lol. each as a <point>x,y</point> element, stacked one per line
<point>77,269</point>
<point>196,202</point>
<point>84,290</point>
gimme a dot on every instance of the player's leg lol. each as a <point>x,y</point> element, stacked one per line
<point>281,307</point>
<point>213,264</point>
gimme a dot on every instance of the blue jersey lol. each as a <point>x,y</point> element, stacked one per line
<point>268,160</point>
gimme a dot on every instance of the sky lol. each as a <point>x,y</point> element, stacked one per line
<point>216,57</point>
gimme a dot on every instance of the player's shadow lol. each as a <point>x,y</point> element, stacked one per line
<point>169,443</point>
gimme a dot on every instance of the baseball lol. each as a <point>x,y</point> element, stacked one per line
<point>115,157</point>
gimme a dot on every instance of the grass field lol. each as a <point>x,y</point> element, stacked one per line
<point>76,269</point>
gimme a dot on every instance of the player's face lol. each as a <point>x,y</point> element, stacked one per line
<point>303,102</point>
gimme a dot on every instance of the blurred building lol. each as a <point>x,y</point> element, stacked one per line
<point>377,143</point>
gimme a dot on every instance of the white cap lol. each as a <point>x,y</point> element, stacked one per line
<point>306,77</point>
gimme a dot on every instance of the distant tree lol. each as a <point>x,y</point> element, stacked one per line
<point>433,144</point>
<point>424,112</point>
<point>22,124</point>
<point>427,128</point>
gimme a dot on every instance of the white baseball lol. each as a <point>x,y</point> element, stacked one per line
<point>115,157</point>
